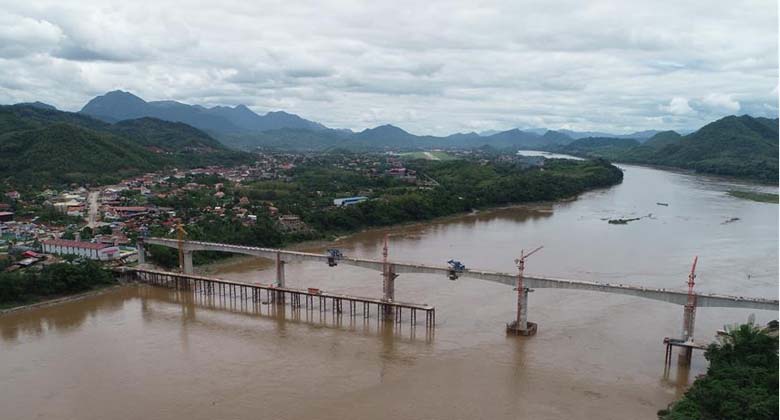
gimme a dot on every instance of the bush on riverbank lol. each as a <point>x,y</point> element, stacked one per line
<point>741,382</point>
<point>18,288</point>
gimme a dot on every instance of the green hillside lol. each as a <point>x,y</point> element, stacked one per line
<point>604,147</point>
<point>168,136</point>
<point>663,138</point>
<point>46,147</point>
<point>64,153</point>
<point>743,147</point>
<point>738,146</point>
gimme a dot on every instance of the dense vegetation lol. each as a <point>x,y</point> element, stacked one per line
<point>48,147</point>
<point>18,288</point>
<point>743,146</point>
<point>167,136</point>
<point>741,382</point>
<point>70,154</point>
<point>465,185</point>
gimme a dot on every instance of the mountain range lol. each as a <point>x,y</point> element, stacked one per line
<point>119,105</point>
<point>42,146</point>
<point>240,127</point>
<point>157,134</point>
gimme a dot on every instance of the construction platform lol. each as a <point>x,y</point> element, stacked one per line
<point>683,344</point>
<point>530,330</point>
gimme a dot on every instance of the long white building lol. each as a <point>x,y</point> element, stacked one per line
<point>93,251</point>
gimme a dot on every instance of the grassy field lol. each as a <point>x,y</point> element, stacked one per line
<point>755,196</point>
<point>434,155</point>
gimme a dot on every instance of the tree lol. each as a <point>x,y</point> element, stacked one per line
<point>741,382</point>
<point>87,233</point>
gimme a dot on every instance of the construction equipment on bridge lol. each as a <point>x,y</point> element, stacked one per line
<point>456,267</point>
<point>334,255</point>
<point>521,326</point>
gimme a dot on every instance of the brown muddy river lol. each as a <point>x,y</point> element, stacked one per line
<point>146,353</point>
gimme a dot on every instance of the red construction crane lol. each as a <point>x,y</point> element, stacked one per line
<point>689,315</point>
<point>520,326</point>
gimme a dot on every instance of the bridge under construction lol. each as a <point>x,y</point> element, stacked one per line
<point>523,284</point>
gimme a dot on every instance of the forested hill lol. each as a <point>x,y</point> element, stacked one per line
<point>40,146</point>
<point>169,136</point>
<point>65,153</point>
<point>742,146</point>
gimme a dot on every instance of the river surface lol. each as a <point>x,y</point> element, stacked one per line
<point>148,353</point>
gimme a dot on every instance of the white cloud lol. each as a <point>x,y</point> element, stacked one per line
<point>721,101</point>
<point>21,35</point>
<point>433,67</point>
<point>678,106</point>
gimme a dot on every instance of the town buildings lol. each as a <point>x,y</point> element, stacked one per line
<point>90,250</point>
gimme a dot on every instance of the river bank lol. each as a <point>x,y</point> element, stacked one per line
<point>44,302</point>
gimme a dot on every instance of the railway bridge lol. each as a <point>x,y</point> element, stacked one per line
<point>391,269</point>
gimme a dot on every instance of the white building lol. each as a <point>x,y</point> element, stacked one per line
<point>92,251</point>
<point>348,201</point>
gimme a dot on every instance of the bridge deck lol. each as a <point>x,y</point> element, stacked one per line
<point>678,297</point>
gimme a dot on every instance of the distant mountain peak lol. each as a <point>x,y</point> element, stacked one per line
<point>119,105</point>
<point>38,104</point>
<point>120,94</point>
<point>386,129</point>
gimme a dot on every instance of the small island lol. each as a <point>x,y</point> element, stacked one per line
<point>755,196</point>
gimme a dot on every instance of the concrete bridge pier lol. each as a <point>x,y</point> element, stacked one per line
<point>279,270</point>
<point>388,283</point>
<point>188,267</point>
<point>388,289</point>
<point>689,321</point>
<point>141,251</point>
<point>521,326</point>
<point>279,298</point>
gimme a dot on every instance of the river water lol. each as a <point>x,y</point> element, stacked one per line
<point>141,352</point>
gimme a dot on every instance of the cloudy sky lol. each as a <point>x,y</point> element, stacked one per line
<point>431,67</point>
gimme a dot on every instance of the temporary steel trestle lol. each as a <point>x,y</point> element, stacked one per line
<point>297,298</point>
